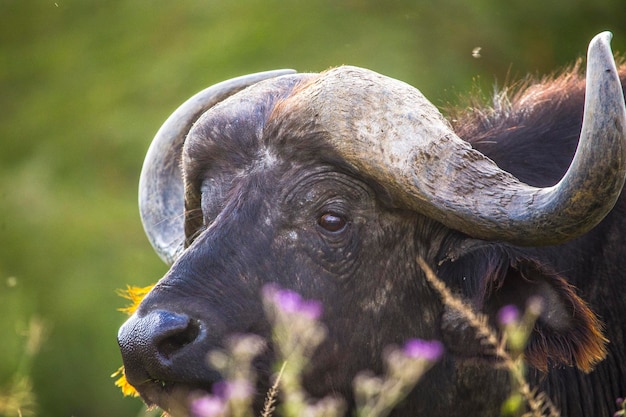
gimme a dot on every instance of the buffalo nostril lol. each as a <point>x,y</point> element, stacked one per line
<point>151,344</point>
<point>174,338</point>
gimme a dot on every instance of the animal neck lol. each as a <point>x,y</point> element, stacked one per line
<point>577,394</point>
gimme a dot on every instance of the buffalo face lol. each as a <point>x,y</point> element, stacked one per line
<point>279,216</point>
<point>333,185</point>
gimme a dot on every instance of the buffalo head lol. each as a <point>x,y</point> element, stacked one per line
<point>333,185</point>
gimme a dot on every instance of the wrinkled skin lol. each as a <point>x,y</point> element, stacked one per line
<point>293,204</point>
<point>284,209</point>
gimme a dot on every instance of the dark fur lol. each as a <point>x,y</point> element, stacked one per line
<point>532,132</point>
<point>258,225</point>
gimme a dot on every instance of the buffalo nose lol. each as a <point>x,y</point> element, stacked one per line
<point>151,344</point>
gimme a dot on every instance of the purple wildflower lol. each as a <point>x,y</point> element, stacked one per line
<point>237,389</point>
<point>208,406</point>
<point>508,314</point>
<point>288,301</point>
<point>311,309</point>
<point>291,302</point>
<point>423,349</point>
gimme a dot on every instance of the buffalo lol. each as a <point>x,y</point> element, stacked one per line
<point>338,185</point>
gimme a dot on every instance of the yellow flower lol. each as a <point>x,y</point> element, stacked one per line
<point>127,389</point>
<point>135,295</point>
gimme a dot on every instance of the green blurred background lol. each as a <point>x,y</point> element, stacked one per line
<point>84,85</point>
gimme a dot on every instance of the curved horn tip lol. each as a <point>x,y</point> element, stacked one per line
<point>603,38</point>
<point>603,81</point>
<point>599,50</point>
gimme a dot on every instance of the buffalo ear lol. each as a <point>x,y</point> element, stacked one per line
<point>567,331</point>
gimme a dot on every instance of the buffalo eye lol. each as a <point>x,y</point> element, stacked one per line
<point>332,222</point>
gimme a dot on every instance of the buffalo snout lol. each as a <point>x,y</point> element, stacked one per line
<point>154,346</point>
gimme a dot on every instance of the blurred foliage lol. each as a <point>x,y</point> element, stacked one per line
<point>85,84</point>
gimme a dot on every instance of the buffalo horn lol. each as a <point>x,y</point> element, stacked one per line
<point>161,190</point>
<point>388,131</point>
